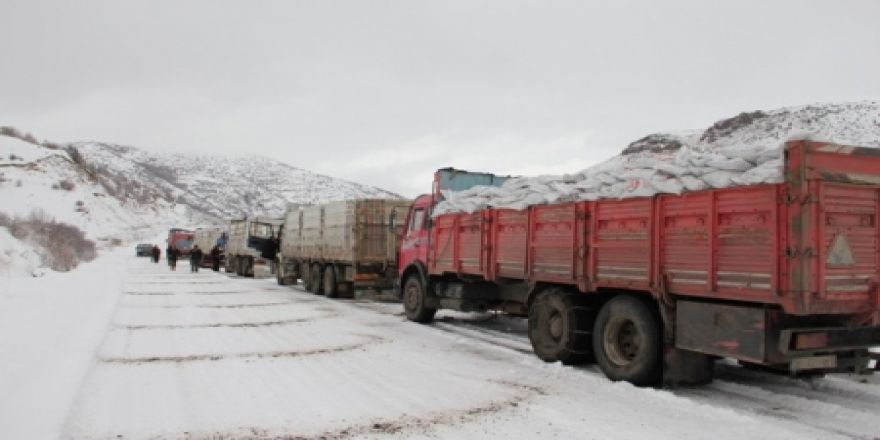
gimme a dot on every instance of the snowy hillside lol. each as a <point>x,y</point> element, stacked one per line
<point>222,187</point>
<point>118,194</point>
<point>848,123</point>
<point>743,150</point>
<point>48,181</point>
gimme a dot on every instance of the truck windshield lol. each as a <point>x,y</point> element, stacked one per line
<point>261,230</point>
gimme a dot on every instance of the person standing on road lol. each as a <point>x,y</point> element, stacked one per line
<point>172,253</point>
<point>156,253</point>
<point>215,258</point>
<point>195,259</point>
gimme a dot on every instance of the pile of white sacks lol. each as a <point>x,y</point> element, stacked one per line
<point>639,174</point>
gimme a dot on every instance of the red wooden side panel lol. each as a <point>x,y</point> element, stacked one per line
<point>848,250</point>
<point>685,247</point>
<point>552,237</point>
<point>469,243</point>
<point>746,243</point>
<point>510,234</point>
<point>443,238</point>
<point>621,243</point>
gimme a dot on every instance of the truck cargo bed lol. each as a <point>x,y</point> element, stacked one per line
<point>809,244</point>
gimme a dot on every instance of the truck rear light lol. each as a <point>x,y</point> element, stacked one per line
<point>366,277</point>
<point>806,341</point>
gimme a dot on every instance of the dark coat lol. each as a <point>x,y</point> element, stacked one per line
<point>172,253</point>
<point>195,256</point>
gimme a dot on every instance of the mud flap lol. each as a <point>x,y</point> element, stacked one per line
<point>683,367</point>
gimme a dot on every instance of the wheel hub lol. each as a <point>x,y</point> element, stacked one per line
<point>412,298</point>
<point>555,326</point>
<point>622,341</point>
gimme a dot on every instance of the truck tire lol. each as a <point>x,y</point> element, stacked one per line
<point>304,272</point>
<point>415,300</point>
<point>236,265</point>
<point>315,280</point>
<point>282,275</point>
<point>331,290</point>
<point>627,341</point>
<point>560,327</point>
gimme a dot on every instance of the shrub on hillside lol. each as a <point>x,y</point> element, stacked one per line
<point>67,185</point>
<point>61,246</point>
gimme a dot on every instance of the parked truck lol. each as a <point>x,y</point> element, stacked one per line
<point>182,239</point>
<point>208,237</point>
<point>338,247</point>
<point>784,277</point>
<point>247,239</point>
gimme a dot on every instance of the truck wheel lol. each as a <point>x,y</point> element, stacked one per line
<point>236,265</point>
<point>304,272</point>
<point>627,341</point>
<point>414,299</point>
<point>281,275</point>
<point>315,279</point>
<point>248,267</point>
<point>560,327</point>
<point>331,290</point>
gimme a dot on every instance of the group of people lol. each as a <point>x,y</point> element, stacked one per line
<point>172,254</point>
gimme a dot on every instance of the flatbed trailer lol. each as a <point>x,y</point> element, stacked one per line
<point>784,276</point>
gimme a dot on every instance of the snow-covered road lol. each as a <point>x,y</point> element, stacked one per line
<point>206,356</point>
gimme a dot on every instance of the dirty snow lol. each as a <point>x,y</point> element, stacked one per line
<point>18,258</point>
<point>743,150</point>
<point>124,348</point>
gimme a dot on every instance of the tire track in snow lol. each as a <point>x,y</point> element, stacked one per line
<point>206,306</point>
<point>784,403</point>
<point>210,357</point>
<point>402,426</point>
<point>163,293</point>
<point>120,326</point>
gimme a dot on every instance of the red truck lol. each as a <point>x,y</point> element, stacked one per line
<point>182,239</point>
<point>655,289</point>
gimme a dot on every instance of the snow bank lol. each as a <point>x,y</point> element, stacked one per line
<point>50,329</point>
<point>17,258</point>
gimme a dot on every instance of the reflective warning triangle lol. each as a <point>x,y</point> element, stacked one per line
<point>840,253</point>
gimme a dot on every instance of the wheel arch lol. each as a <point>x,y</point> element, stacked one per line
<point>415,268</point>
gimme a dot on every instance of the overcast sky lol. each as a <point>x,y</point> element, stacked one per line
<point>385,92</point>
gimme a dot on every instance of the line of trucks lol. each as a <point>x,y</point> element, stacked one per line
<point>782,277</point>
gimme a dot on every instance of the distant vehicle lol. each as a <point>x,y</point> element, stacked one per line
<point>182,239</point>
<point>338,247</point>
<point>245,244</point>
<point>144,250</point>
<point>206,239</point>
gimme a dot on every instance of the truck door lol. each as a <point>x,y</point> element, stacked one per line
<point>414,245</point>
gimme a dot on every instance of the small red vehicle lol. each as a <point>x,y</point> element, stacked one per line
<point>783,276</point>
<point>182,239</point>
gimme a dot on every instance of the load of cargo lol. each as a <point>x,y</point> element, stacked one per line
<point>639,174</point>
<point>746,149</point>
<point>208,237</point>
<point>338,247</point>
